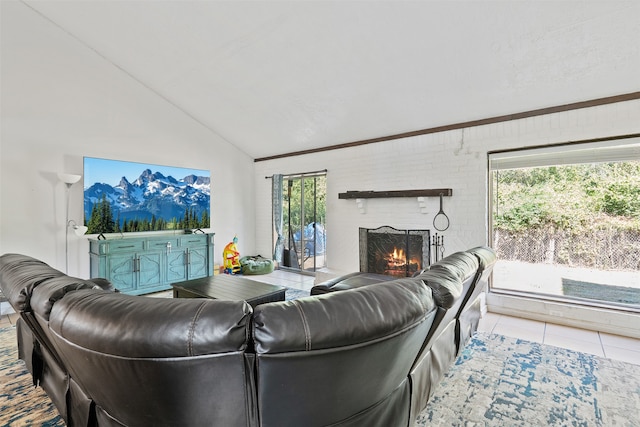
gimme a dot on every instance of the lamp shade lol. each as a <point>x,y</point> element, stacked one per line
<point>80,230</point>
<point>69,178</point>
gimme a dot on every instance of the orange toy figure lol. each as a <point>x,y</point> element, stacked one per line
<point>231,257</point>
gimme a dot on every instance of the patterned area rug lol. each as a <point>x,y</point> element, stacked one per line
<point>502,381</point>
<point>292,293</point>
<point>21,404</point>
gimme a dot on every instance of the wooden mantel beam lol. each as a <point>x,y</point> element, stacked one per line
<point>436,192</point>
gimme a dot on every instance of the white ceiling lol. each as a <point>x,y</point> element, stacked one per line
<point>274,77</point>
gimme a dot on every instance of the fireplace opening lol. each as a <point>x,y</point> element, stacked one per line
<point>392,252</point>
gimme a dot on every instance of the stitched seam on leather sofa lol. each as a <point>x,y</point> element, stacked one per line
<point>305,325</point>
<point>192,328</point>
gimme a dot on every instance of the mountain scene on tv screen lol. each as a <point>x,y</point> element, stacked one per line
<point>151,202</point>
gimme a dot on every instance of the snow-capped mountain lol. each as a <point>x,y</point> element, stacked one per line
<point>151,194</point>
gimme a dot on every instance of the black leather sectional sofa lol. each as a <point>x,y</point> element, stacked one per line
<point>355,353</point>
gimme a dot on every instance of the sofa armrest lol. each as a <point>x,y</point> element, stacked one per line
<point>20,275</point>
<point>349,281</point>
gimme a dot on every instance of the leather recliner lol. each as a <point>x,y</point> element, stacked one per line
<point>106,358</point>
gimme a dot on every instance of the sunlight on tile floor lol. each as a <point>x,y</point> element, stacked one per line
<point>598,343</point>
<point>286,278</point>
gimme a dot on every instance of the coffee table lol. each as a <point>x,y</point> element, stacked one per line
<point>228,287</point>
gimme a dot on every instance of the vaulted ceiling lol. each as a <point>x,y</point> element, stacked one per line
<point>274,77</point>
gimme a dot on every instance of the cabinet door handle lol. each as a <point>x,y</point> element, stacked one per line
<point>188,254</point>
<point>168,248</point>
<point>136,264</point>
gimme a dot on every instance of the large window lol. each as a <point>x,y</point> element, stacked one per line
<point>565,222</point>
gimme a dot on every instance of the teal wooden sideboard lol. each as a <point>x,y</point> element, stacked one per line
<point>141,265</point>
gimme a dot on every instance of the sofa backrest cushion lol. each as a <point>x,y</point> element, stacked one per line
<point>148,361</point>
<point>486,256</point>
<point>446,287</point>
<point>461,264</point>
<point>48,292</point>
<point>328,321</point>
<point>19,275</point>
<point>136,326</point>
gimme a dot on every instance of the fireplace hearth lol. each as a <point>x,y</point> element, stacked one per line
<point>393,252</point>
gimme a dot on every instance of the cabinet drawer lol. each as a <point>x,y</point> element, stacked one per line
<point>194,240</point>
<point>168,245</point>
<point>123,246</point>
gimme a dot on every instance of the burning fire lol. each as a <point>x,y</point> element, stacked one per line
<point>397,257</point>
<point>397,260</point>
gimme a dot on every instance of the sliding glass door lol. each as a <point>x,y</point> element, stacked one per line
<point>304,218</point>
<point>566,222</point>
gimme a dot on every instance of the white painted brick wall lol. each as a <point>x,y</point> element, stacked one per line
<point>455,159</point>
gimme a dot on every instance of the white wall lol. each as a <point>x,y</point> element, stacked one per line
<point>455,159</point>
<point>61,101</point>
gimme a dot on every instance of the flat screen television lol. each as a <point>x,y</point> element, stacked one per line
<point>121,196</point>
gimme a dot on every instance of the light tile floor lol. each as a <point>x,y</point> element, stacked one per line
<point>286,278</point>
<point>598,343</point>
